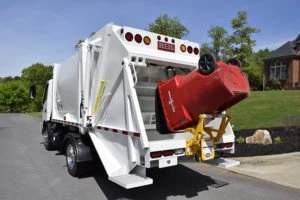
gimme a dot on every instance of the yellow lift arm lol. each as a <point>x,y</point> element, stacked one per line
<point>197,145</point>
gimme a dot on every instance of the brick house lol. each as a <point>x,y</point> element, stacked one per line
<point>284,64</point>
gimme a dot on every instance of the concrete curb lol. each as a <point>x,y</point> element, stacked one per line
<point>223,162</point>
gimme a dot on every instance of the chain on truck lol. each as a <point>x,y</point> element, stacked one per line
<point>136,100</point>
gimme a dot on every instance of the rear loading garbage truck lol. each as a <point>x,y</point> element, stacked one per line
<point>138,100</point>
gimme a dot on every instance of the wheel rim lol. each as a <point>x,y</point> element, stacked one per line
<point>206,63</point>
<point>70,154</point>
<point>46,137</point>
<point>234,61</point>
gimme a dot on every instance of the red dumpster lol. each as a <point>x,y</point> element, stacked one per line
<point>184,97</point>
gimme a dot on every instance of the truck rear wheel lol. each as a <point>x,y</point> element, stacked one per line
<point>74,168</point>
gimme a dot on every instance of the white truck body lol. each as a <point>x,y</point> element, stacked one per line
<point>107,90</point>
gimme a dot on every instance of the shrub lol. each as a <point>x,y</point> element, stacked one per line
<point>240,140</point>
<point>274,84</point>
<point>277,140</point>
<point>267,88</point>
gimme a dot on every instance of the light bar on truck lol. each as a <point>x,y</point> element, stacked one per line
<point>164,44</point>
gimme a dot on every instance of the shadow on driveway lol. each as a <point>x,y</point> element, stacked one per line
<point>175,181</point>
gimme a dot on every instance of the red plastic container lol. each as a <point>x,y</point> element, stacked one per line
<point>184,98</point>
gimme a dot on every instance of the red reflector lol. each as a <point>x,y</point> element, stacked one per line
<point>228,145</point>
<point>196,51</point>
<point>168,153</point>
<point>129,36</point>
<point>221,146</point>
<point>190,49</point>
<point>156,154</point>
<point>138,38</point>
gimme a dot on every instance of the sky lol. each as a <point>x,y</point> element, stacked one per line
<point>46,31</point>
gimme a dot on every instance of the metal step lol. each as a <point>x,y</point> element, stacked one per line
<point>131,180</point>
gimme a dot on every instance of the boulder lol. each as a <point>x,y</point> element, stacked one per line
<point>259,137</point>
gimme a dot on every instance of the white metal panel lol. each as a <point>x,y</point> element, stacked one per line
<point>166,145</point>
<point>49,99</point>
<point>67,89</point>
<point>167,162</point>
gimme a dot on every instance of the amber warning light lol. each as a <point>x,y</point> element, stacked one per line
<point>165,46</point>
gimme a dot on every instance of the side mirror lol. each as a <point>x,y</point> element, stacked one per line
<point>32,92</point>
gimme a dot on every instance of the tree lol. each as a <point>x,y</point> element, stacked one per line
<point>240,40</point>
<point>219,42</point>
<point>170,26</point>
<point>254,68</point>
<point>206,48</point>
<point>37,74</point>
<point>14,95</point>
<point>238,44</point>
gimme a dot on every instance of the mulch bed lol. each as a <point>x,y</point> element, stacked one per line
<point>290,138</point>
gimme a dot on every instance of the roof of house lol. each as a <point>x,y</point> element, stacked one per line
<point>290,48</point>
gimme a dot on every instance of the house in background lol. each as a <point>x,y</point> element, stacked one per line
<point>283,64</point>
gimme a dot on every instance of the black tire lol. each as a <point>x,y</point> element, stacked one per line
<point>47,137</point>
<point>206,64</point>
<point>234,61</point>
<point>74,168</point>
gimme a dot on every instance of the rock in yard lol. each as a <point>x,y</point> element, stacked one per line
<point>259,137</point>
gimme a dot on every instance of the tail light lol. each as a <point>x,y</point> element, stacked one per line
<point>155,154</point>
<point>190,49</point>
<point>228,145</point>
<point>166,39</point>
<point>223,145</point>
<point>138,38</point>
<point>129,36</point>
<point>147,40</point>
<point>173,41</point>
<point>196,51</point>
<point>183,48</point>
<point>168,153</point>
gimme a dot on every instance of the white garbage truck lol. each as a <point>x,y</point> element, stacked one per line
<point>104,99</point>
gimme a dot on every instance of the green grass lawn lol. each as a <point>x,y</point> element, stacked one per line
<point>265,109</point>
<point>37,115</point>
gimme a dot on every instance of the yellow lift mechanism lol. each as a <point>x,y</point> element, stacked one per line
<point>197,145</point>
